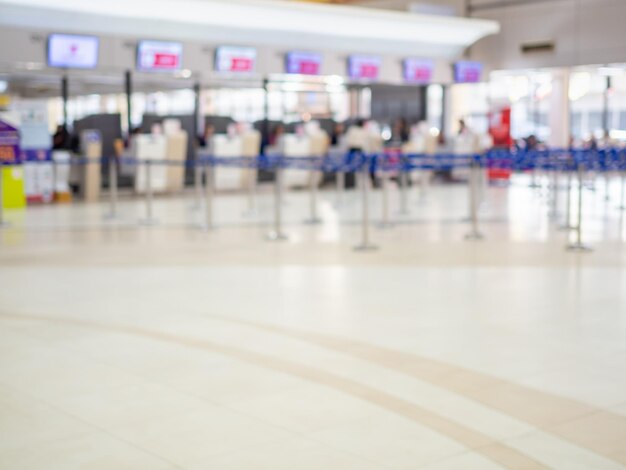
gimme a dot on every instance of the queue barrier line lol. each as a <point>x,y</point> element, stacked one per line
<point>570,161</point>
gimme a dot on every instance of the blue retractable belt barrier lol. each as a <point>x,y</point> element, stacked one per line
<point>601,160</point>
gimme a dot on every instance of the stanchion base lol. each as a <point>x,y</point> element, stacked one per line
<point>384,225</point>
<point>578,248</point>
<point>474,236</point>
<point>566,228</point>
<point>621,208</point>
<point>366,247</point>
<point>148,222</point>
<point>276,237</point>
<point>110,217</point>
<point>249,213</point>
<point>206,227</point>
<point>313,221</point>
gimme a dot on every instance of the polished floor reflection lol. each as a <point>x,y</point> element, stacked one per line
<point>124,346</point>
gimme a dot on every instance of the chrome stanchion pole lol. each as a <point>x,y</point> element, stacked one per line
<point>277,234</point>
<point>251,190</point>
<point>3,223</point>
<point>149,219</point>
<point>209,175</point>
<point>474,233</point>
<point>578,245</point>
<point>567,225</point>
<point>197,184</point>
<point>314,219</point>
<point>404,183</point>
<point>424,180</point>
<point>554,206</point>
<point>340,179</point>
<point>112,215</point>
<point>366,244</point>
<point>622,191</point>
<point>386,221</point>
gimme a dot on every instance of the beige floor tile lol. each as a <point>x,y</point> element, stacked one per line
<point>557,454</point>
<point>299,453</point>
<point>124,347</point>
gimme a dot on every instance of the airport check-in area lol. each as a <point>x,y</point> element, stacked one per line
<point>312,235</point>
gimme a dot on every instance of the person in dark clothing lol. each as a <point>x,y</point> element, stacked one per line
<point>338,132</point>
<point>400,131</point>
<point>205,139</point>
<point>61,139</point>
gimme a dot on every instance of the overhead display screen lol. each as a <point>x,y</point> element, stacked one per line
<point>72,52</point>
<point>363,67</point>
<point>304,63</point>
<point>235,59</point>
<point>467,72</point>
<point>159,56</point>
<point>418,71</point>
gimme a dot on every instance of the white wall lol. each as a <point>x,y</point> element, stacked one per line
<point>584,32</point>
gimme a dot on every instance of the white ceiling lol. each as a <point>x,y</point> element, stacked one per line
<point>256,22</point>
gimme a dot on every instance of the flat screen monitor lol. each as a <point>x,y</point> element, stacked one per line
<point>419,71</point>
<point>159,56</point>
<point>304,63</point>
<point>71,51</point>
<point>467,72</point>
<point>235,59</point>
<point>362,67</point>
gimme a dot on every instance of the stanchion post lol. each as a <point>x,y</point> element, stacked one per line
<point>149,219</point>
<point>314,219</point>
<point>474,233</point>
<point>567,225</point>
<point>251,190</point>
<point>340,179</point>
<point>622,169</point>
<point>385,222</point>
<point>424,180</point>
<point>623,190</point>
<point>197,182</point>
<point>209,176</point>
<point>277,234</point>
<point>554,206</point>
<point>366,244</point>
<point>404,183</point>
<point>3,223</point>
<point>112,215</point>
<point>578,245</point>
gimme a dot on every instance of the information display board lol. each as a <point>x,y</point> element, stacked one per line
<point>70,51</point>
<point>304,63</point>
<point>467,72</point>
<point>159,56</point>
<point>362,67</point>
<point>419,71</point>
<point>235,59</point>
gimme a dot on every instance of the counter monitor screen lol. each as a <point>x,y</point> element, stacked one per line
<point>418,70</point>
<point>363,67</point>
<point>304,63</point>
<point>235,59</point>
<point>467,72</point>
<point>72,52</point>
<point>159,56</point>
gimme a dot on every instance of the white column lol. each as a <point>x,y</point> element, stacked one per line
<point>559,113</point>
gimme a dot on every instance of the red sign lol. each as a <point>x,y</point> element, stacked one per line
<point>165,60</point>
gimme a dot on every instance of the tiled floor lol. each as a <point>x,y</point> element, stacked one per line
<point>168,347</point>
